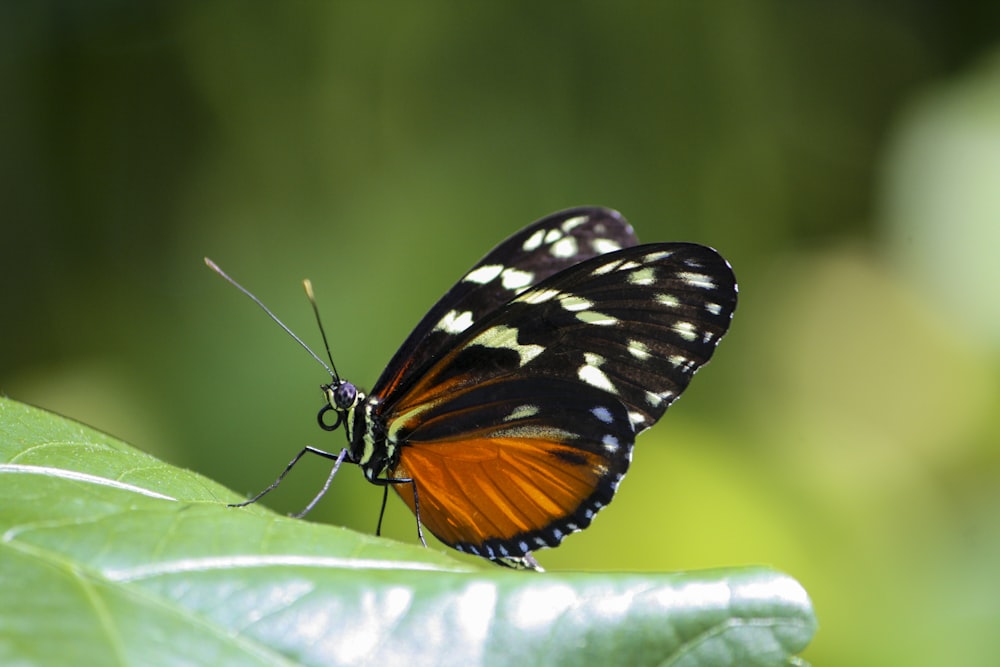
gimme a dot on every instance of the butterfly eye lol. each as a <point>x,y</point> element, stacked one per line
<point>343,396</point>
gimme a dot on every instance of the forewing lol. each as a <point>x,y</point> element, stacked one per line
<point>636,324</point>
<point>538,251</point>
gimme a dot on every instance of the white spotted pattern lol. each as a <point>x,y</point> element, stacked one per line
<point>603,246</point>
<point>657,256</point>
<point>603,414</point>
<point>570,224</point>
<point>574,303</point>
<point>514,279</point>
<point>643,276</point>
<point>697,279</point>
<point>564,247</point>
<point>653,399</point>
<point>539,296</point>
<point>593,317</point>
<point>483,274</point>
<point>455,322</point>
<point>502,337</point>
<point>522,412</point>
<point>533,241</point>
<point>685,330</point>
<point>668,300</point>
<point>680,362</point>
<point>591,373</point>
<point>638,349</point>
<point>606,268</point>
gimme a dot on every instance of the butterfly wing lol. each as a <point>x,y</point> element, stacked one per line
<point>538,251</point>
<point>520,431</point>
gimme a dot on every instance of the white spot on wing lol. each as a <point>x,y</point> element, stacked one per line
<point>564,247</point>
<point>522,412</point>
<point>680,362</point>
<point>483,274</point>
<point>643,276</point>
<point>574,303</point>
<point>638,350</point>
<point>502,337</point>
<point>697,279</point>
<point>454,322</point>
<point>593,375</point>
<point>593,317</point>
<point>668,300</point>
<point>713,308</point>
<point>514,279</point>
<point>572,223</point>
<point>539,296</point>
<point>610,443</point>
<point>685,330</point>
<point>657,256</point>
<point>603,246</point>
<point>602,413</point>
<point>553,235</point>
<point>606,268</point>
<point>533,241</point>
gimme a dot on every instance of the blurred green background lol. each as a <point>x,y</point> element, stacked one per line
<point>845,156</point>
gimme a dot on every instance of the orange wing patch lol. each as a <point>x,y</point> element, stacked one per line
<point>501,488</point>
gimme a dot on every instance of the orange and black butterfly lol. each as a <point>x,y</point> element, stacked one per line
<point>507,418</point>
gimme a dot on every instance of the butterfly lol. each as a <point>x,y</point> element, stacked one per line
<point>507,418</point>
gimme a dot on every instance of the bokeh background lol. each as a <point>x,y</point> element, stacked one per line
<point>845,156</point>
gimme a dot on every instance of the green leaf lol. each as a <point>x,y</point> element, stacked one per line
<point>110,554</point>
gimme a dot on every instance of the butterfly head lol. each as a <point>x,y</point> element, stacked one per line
<point>341,398</point>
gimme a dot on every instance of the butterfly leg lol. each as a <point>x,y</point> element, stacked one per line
<point>337,458</point>
<point>385,484</point>
<point>329,480</point>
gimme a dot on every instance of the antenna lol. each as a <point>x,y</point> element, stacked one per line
<point>215,267</point>
<point>307,284</point>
